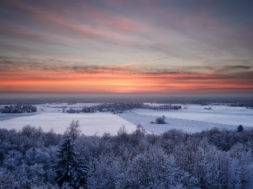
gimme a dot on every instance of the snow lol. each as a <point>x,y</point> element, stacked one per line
<point>191,118</point>
<point>59,107</point>
<point>219,114</point>
<point>189,126</point>
<point>90,124</point>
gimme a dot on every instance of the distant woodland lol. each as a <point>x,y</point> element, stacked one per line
<point>18,109</point>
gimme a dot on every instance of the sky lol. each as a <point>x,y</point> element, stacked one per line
<point>120,46</point>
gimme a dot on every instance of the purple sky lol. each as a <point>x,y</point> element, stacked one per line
<point>126,46</point>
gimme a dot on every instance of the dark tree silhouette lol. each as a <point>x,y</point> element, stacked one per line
<point>240,128</point>
<point>69,168</point>
<point>160,120</point>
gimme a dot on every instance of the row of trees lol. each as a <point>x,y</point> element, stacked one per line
<point>210,159</point>
<point>121,107</point>
<point>18,109</point>
<point>107,107</point>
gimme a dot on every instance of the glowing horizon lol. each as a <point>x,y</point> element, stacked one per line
<point>126,46</point>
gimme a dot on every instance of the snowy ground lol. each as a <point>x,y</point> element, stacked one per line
<point>190,126</point>
<point>90,124</point>
<point>219,114</point>
<point>192,118</point>
<point>60,107</point>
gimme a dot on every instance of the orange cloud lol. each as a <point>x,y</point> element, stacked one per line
<point>115,82</point>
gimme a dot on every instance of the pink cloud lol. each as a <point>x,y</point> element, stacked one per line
<point>112,20</point>
<point>47,15</point>
<point>97,17</point>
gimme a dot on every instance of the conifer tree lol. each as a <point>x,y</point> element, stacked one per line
<point>69,168</point>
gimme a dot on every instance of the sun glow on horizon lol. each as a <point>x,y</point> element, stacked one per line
<point>118,83</point>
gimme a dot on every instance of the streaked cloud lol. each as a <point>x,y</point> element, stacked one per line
<point>126,46</point>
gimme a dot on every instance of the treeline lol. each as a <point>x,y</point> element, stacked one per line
<point>18,109</point>
<point>210,159</point>
<point>121,107</point>
<point>107,107</point>
<point>164,107</point>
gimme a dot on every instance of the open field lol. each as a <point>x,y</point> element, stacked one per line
<point>191,118</point>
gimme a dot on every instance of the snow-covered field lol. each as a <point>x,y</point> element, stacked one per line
<point>60,107</point>
<point>220,114</point>
<point>190,126</point>
<point>191,118</point>
<point>90,124</point>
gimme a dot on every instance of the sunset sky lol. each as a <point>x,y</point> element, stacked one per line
<point>126,46</point>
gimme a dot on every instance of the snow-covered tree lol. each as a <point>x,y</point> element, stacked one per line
<point>153,169</point>
<point>69,168</point>
<point>210,159</point>
<point>73,130</point>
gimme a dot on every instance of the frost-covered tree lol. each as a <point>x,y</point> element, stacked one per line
<point>104,172</point>
<point>154,169</point>
<point>209,159</point>
<point>73,130</point>
<point>69,168</point>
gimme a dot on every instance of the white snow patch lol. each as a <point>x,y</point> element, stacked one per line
<point>90,124</point>
<point>218,114</point>
<point>189,126</point>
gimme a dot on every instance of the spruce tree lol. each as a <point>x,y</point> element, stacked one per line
<point>69,168</point>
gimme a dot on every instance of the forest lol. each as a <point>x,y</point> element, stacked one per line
<point>34,159</point>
